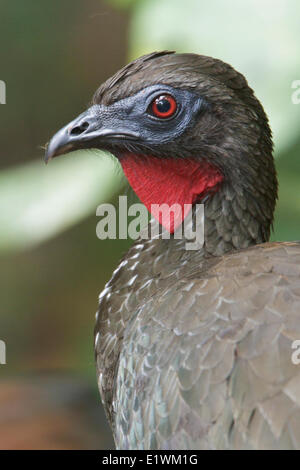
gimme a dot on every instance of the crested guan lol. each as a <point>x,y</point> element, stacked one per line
<point>194,347</point>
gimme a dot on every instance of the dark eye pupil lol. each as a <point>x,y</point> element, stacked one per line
<point>163,105</point>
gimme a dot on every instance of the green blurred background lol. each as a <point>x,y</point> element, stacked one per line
<point>53,55</point>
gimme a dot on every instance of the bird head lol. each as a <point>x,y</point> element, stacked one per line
<point>182,126</point>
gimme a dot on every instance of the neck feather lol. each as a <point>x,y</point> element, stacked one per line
<point>235,217</point>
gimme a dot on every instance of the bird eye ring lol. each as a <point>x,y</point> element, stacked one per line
<point>163,106</point>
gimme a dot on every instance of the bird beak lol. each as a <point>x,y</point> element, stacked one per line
<point>92,129</point>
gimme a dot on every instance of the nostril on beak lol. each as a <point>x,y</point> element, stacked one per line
<point>79,129</point>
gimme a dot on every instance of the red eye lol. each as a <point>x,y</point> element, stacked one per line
<point>164,106</point>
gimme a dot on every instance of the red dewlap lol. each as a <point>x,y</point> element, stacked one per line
<point>169,181</point>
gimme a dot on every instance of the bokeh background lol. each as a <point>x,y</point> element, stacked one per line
<point>53,55</point>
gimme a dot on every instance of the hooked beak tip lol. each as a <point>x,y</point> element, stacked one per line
<point>47,156</point>
<point>58,145</point>
<point>71,137</point>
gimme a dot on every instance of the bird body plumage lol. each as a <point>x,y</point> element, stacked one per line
<point>197,355</point>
